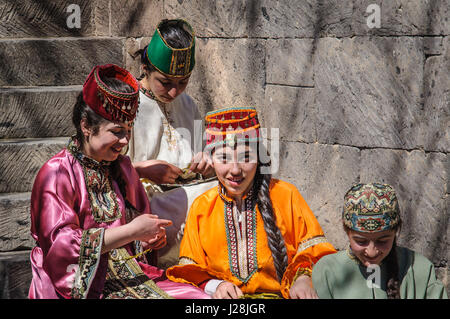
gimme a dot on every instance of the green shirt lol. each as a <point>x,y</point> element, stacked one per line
<point>342,276</point>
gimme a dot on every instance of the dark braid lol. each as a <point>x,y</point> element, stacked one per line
<point>393,282</point>
<point>274,236</point>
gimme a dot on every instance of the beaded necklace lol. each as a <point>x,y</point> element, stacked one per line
<point>148,93</point>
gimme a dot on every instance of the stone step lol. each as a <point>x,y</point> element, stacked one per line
<point>15,274</point>
<point>37,112</point>
<point>15,222</point>
<point>55,61</point>
<point>21,159</point>
<point>30,18</point>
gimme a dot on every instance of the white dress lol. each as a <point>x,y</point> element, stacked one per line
<point>172,132</point>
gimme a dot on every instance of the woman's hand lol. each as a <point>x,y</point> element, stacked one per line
<point>201,163</point>
<point>154,244</point>
<point>302,289</point>
<point>227,290</point>
<point>148,228</point>
<point>158,171</point>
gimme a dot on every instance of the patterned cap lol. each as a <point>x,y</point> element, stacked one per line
<point>168,60</point>
<point>371,208</point>
<point>231,125</point>
<point>106,102</point>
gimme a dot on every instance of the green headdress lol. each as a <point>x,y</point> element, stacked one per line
<point>168,60</point>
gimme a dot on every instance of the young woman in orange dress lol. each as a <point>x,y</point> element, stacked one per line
<point>252,236</point>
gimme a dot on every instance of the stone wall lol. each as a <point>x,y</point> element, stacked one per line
<point>352,103</point>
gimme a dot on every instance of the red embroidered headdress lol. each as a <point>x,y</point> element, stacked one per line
<point>231,125</point>
<point>106,102</point>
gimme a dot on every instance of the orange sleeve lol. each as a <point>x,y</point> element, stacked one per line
<point>305,241</point>
<point>193,266</point>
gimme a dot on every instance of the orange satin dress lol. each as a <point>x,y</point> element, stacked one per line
<point>217,246</point>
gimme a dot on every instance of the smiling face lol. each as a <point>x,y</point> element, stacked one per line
<point>107,143</point>
<point>165,88</point>
<point>371,248</point>
<point>235,168</point>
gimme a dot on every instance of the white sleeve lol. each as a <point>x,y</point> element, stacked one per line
<point>211,286</point>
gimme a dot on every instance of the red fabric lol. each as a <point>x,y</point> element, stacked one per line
<point>242,122</point>
<point>95,92</point>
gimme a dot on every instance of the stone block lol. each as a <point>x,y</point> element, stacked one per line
<point>433,132</point>
<point>135,18</point>
<point>419,180</point>
<point>403,17</point>
<point>30,18</point>
<point>433,46</point>
<point>20,161</point>
<point>228,72</point>
<point>442,275</point>
<point>15,275</point>
<point>37,112</point>
<point>264,18</point>
<point>15,222</point>
<point>370,93</point>
<point>291,110</point>
<point>133,62</point>
<point>290,62</point>
<point>322,174</point>
<point>55,62</point>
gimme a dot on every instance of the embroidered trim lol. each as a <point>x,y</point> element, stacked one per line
<point>98,180</point>
<point>302,271</point>
<point>264,295</point>
<point>241,239</point>
<point>311,242</point>
<point>125,279</point>
<point>186,261</point>
<point>148,93</point>
<point>90,252</point>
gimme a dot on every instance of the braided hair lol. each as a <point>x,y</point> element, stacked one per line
<point>275,239</point>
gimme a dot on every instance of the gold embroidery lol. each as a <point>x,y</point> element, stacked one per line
<point>99,185</point>
<point>311,242</point>
<point>125,279</point>
<point>90,251</point>
<point>186,261</point>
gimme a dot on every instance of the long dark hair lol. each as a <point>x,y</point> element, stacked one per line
<point>82,111</point>
<point>261,187</point>
<point>393,281</point>
<point>174,34</point>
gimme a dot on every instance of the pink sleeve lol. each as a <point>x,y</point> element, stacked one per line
<point>56,228</point>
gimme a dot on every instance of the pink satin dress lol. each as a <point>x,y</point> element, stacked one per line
<point>68,218</point>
